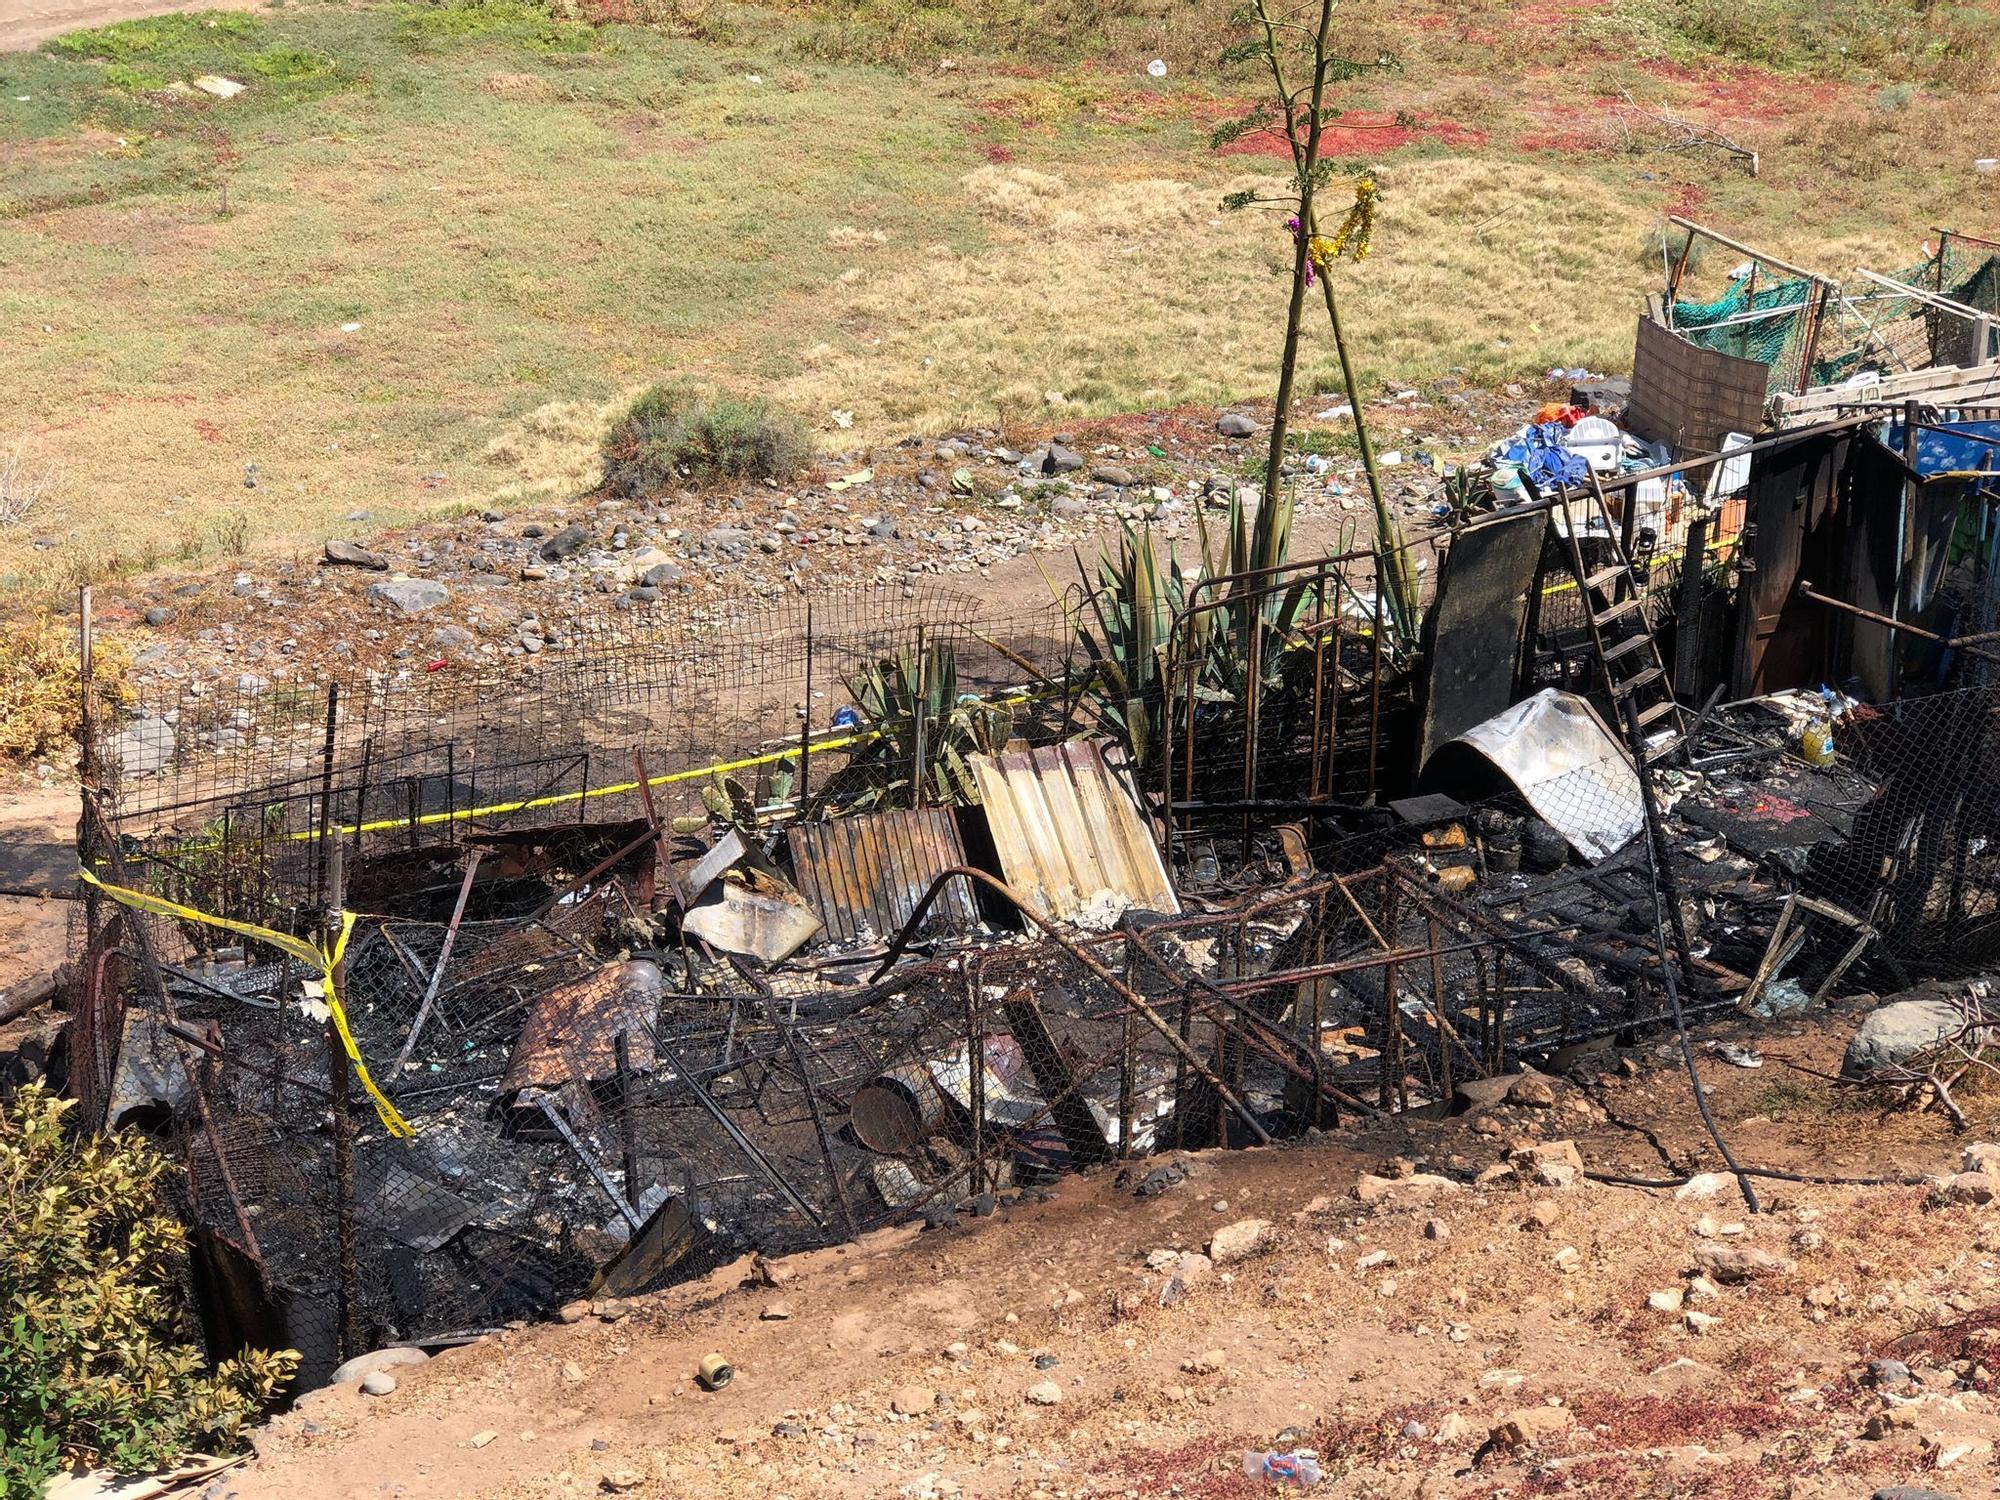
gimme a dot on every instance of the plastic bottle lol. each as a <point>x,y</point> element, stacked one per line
<point>1293,1470</point>
<point>1816,744</point>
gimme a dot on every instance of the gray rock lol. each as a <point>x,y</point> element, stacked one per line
<point>1897,1033</point>
<point>454,637</point>
<point>660,575</point>
<point>1234,424</point>
<point>565,543</point>
<point>378,1383</point>
<point>143,747</point>
<point>725,538</point>
<point>353,555</point>
<point>1068,507</point>
<point>534,529</point>
<point>1112,474</point>
<point>1909,1492</point>
<point>884,530</point>
<point>1888,1374</point>
<point>392,1358</point>
<point>159,614</point>
<point>409,596</point>
<point>1061,460</point>
<point>644,593</point>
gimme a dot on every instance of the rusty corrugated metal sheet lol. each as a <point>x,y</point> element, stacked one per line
<point>1067,824</point>
<point>869,871</point>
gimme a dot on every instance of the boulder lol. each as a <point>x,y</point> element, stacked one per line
<point>1549,1163</point>
<point>1418,1186</point>
<point>1981,1157</point>
<point>1235,424</point>
<point>376,1360</point>
<point>1238,1241</point>
<point>1738,1263</point>
<point>1976,1188</point>
<point>565,543</point>
<point>353,555</point>
<point>1529,1426</point>
<point>409,596</point>
<point>142,747</point>
<point>1898,1033</point>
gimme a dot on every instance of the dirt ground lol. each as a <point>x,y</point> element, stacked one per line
<point>1426,1339</point>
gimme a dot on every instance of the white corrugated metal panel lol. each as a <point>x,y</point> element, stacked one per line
<point>1067,825</point>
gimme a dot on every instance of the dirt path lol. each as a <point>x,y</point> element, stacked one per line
<point>1029,1355</point>
<point>37,852</point>
<point>29,23</point>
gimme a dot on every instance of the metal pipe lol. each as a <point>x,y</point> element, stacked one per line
<point>1131,996</point>
<point>437,969</point>
<point>1742,249</point>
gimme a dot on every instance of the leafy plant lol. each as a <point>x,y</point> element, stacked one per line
<point>1284,41</point>
<point>676,432</point>
<point>923,728</point>
<point>41,703</point>
<point>1145,649</point>
<point>97,1356</point>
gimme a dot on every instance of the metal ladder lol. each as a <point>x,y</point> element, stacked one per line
<point>1630,663</point>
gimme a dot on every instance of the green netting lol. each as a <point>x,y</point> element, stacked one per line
<point>1766,321</point>
<point>1731,324</point>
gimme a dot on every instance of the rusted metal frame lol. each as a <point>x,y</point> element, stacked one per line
<point>1439,1013</point>
<point>1258,1031</point>
<point>735,1132</point>
<point>1126,1069</point>
<point>1392,1018</point>
<point>331,896</point>
<point>628,1135</point>
<point>1903,627</point>
<point>151,964</point>
<point>406,958</point>
<point>833,1175</point>
<point>443,958</point>
<point>590,1163</point>
<point>609,861</point>
<point>1375,683</point>
<point>804,789</point>
<point>1049,929</point>
<point>975,1080</point>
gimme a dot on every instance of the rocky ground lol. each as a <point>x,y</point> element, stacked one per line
<point>967,512</point>
<point>1448,1309</point>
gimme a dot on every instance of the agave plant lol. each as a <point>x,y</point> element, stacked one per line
<point>923,729</point>
<point>1143,645</point>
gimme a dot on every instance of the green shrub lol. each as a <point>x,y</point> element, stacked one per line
<point>40,698</point>
<point>97,1359</point>
<point>677,432</point>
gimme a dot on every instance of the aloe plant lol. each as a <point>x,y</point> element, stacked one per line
<point>1143,647</point>
<point>923,729</point>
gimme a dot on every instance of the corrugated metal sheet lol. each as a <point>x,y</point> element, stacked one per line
<point>869,871</point>
<point>1067,824</point>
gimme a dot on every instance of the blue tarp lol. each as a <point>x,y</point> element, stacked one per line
<point>1951,447</point>
<point>1539,453</point>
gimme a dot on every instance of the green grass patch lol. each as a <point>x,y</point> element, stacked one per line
<point>426,26</point>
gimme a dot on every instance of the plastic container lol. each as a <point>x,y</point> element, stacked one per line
<point>1293,1470</point>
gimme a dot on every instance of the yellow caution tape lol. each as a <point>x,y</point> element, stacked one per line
<point>322,958</point>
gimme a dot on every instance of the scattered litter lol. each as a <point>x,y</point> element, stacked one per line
<point>1297,1470</point>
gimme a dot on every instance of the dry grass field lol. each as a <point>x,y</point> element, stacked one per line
<point>418,261</point>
